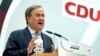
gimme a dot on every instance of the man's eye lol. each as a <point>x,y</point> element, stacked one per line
<point>38,15</point>
<point>43,15</point>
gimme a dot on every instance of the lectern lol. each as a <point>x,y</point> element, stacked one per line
<point>46,54</point>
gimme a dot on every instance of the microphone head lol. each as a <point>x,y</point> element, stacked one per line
<point>49,32</point>
<point>56,34</point>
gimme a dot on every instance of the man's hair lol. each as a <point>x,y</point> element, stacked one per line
<point>29,10</point>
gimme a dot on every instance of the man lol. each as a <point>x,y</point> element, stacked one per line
<point>21,42</point>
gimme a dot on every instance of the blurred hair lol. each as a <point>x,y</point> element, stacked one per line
<point>29,10</point>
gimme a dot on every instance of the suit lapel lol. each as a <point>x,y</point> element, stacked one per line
<point>44,41</point>
<point>27,35</point>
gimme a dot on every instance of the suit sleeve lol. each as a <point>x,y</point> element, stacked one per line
<point>12,47</point>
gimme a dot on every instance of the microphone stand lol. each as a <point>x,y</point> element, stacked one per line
<point>54,40</point>
<point>65,38</point>
<point>60,36</point>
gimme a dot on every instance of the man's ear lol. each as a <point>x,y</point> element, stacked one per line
<point>27,18</point>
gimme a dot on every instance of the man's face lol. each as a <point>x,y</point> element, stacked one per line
<point>36,20</point>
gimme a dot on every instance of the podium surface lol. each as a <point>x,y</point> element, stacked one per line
<point>46,54</point>
<point>68,48</point>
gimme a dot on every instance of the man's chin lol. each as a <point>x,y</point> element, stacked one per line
<point>40,28</point>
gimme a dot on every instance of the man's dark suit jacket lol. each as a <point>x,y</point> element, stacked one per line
<point>19,40</point>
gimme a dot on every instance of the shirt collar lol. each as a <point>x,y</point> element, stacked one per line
<point>32,31</point>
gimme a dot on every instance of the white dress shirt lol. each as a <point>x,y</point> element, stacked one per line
<point>38,41</point>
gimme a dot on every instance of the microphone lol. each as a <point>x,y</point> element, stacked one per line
<point>56,34</point>
<point>49,32</point>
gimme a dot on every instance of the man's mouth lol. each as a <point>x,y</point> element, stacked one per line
<point>40,23</point>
